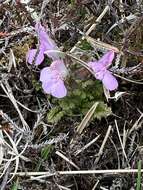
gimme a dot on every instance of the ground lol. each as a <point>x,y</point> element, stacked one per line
<point>88,130</point>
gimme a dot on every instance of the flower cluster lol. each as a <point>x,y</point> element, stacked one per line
<point>52,77</point>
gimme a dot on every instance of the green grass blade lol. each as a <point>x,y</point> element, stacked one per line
<point>139,176</point>
<point>15,185</point>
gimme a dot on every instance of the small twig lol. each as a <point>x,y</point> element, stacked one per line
<point>126,70</point>
<point>95,185</point>
<point>62,187</point>
<point>122,144</point>
<point>98,20</point>
<point>67,160</point>
<point>87,145</point>
<point>5,179</point>
<point>130,31</point>
<point>7,89</point>
<point>129,18</point>
<point>30,12</point>
<point>41,176</point>
<point>124,139</point>
<point>136,125</point>
<point>84,64</point>
<point>118,156</point>
<point>101,45</point>
<point>103,144</point>
<point>129,80</point>
<point>79,172</point>
<point>131,145</point>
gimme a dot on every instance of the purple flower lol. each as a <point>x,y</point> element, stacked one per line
<point>45,44</point>
<point>52,79</point>
<point>100,69</point>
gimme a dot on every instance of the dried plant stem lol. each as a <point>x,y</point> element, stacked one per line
<point>67,160</point>
<point>5,179</point>
<point>84,64</point>
<point>98,20</point>
<point>103,144</point>
<point>7,89</point>
<point>95,185</point>
<point>123,149</point>
<point>101,45</point>
<point>79,172</point>
<point>137,124</point>
<point>87,145</point>
<point>128,80</point>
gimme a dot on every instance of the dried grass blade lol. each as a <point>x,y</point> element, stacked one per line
<point>100,44</point>
<point>1,147</point>
<point>87,118</point>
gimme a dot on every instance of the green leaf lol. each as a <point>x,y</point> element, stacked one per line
<point>87,83</point>
<point>84,45</point>
<point>55,115</point>
<point>36,85</point>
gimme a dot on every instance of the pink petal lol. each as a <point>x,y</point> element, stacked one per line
<point>31,55</point>
<point>45,74</point>
<point>44,38</point>
<point>100,75</point>
<point>60,67</point>
<point>95,66</point>
<point>102,63</point>
<point>47,86</point>
<point>106,59</point>
<point>48,42</point>
<point>39,58</point>
<point>59,90</point>
<point>110,81</point>
<point>41,31</point>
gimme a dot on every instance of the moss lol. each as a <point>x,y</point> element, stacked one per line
<point>79,101</point>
